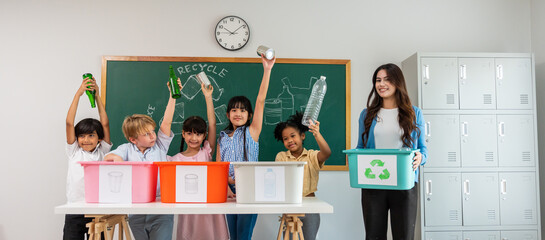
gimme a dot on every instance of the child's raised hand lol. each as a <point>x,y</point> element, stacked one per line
<point>267,64</point>
<point>207,91</point>
<point>179,85</point>
<point>314,127</point>
<point>87,84</point>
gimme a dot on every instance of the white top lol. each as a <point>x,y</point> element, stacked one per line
<point>387,132</point>
<point>75,187</point>
<point>309,205</point>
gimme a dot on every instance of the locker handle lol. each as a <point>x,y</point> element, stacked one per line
<point>503,186</point>
<point>501,129</point>
<point>428,129</point>
<point>463,71</point>
<point>464,129</point>
<point>428,187</point>
<point>466,187</point>
<point>427,72</point>
<point>499,71</point>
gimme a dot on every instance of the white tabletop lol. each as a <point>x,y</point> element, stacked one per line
<point>309,205</point>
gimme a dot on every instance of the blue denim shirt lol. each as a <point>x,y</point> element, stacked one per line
<point>420,140</point>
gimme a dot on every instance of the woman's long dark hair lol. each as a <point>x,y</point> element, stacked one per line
<point>406,115</point>
<point>241,102</point>
<point>194,124</point>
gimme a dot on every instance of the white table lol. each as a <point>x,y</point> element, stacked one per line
<point>309,205</point>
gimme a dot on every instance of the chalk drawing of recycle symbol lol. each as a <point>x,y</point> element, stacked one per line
<point>192,86</point>
<point>383,176</point>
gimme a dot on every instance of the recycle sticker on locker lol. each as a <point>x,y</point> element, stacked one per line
<point>381,168</point>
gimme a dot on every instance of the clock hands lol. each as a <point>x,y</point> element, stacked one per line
<point>230,33</point>
<point>237,29</point>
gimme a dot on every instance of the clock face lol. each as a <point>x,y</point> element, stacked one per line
<point>232,33</point>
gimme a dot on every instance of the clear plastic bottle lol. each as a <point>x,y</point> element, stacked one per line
<point>315,101</point>
<point>270,183</point>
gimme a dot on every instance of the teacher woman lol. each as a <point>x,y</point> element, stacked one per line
<point>390,121</point>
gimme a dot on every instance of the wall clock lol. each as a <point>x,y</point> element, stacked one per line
<point>232,33</point>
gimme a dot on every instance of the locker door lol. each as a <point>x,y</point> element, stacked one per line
<point>514,83</point>
<point>481,235</point>
<point>478,141</point>
<point>516,140</point>
<point>480,199</point>
<point>443,140</point>
<point>518,204</point>
<point>443,236</point>
<point>477,83</point>
<point>442,205</point>
<point>518,235</point>
<point>439,83</point>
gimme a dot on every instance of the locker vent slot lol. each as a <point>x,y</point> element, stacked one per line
<point>489,156</point>
<point>492,214</point>
<point>487,98</point>
<point>526,156</point>
<point>453,215</point>
<point>524,99</point>
<point>451,156</point>
<point>528,214</point>
<point>450,98</point>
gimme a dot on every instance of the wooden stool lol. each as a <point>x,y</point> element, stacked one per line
<point>106,224</point>
<point>290,223</point>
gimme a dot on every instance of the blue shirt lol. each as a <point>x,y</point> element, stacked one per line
<point>419,141</point>
<point>157,153</point>
<point>232,148</point>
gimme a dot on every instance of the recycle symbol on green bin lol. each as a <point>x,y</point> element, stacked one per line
<point>369,173</point>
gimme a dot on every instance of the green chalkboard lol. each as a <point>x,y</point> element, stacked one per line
<point>138,85</point>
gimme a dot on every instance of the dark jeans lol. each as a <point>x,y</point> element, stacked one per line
<point>402,205</point>
<point>241,226</point>
<point>74,227</point>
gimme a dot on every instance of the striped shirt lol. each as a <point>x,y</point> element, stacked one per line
<point>232,148</point>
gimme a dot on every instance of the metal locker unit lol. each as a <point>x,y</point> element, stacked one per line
<point>514,83</point>
<point>477,83</point>
<point>440,83</point>
<point>442,205</point>
<point>480,180</point>
<point>518,198</point>
<point>443,140</point>
<point>516,140</point>
<point>480,194</point>
<point>478,140</point>
<point>482,235</point>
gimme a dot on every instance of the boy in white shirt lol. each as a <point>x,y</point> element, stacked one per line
<point>89,140</point>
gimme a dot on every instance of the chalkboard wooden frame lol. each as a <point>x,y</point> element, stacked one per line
<point>346,63</point>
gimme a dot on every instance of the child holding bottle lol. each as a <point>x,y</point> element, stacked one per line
<point>239,142</point>
<point>194,132</point>
<point>89,140</point>
<point>292,134</point>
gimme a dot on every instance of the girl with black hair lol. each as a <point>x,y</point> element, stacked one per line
<point>292,134</point>
<point>194,133</point>
<point>239,142</point>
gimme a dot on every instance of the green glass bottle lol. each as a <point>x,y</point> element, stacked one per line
<point>90,94</point>
<point>174,88</point>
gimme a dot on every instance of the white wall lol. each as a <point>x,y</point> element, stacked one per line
<point>538,38</point>
<point>45,46</point>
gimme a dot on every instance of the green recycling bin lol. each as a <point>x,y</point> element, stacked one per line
<point>381,168</point>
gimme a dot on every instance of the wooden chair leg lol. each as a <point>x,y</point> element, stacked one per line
<point>281,228</point>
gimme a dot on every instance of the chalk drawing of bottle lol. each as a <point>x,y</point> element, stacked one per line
<point>286,97</point>
<point>191,87</point>
<point>270,183</point>
<point>191,183</point>
<point>115,181</point>
<point>273,111</point>
<point>221,117</point>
